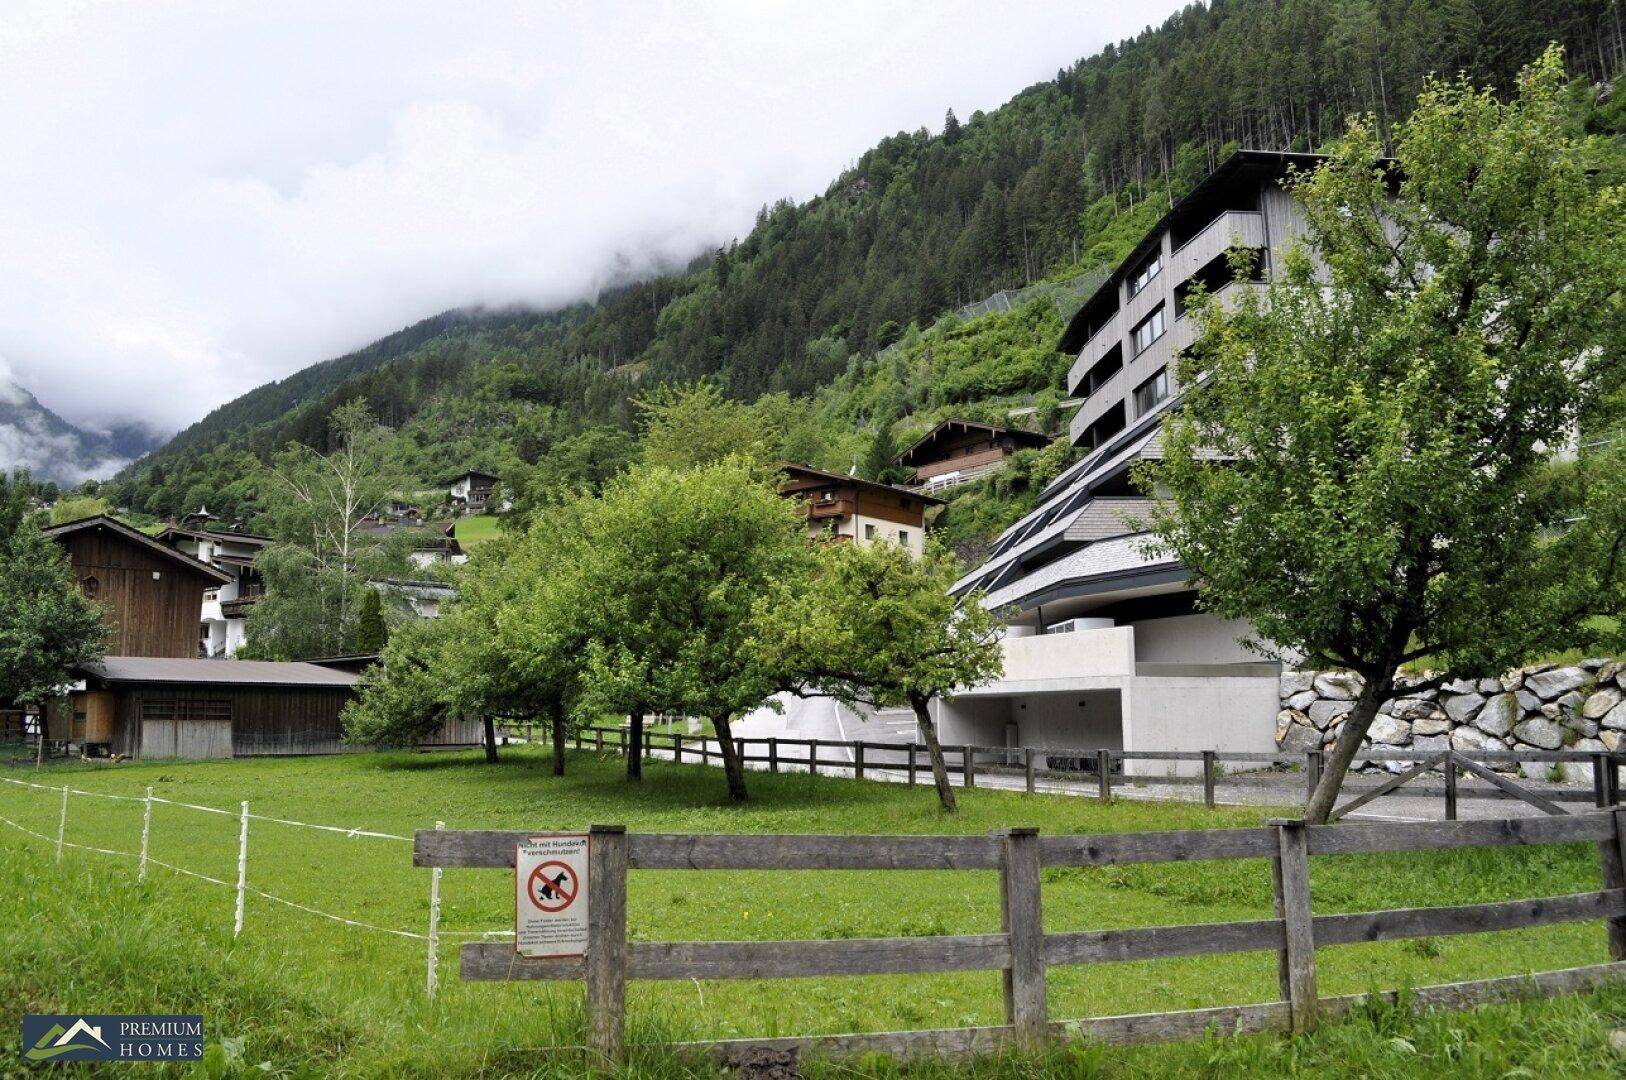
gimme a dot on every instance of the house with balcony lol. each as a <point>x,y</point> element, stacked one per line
<point>223,620</point>
<point>469,492</point>
<point>959,451</point>
<point>1106,646</point>
<point>848,509</point>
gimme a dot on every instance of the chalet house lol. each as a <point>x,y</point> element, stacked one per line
<point>426,599</point>
<point>957,451</point>
<point>845,508</point>
<point>150,592</point>
<point>472,490</point>
<point>431,543</point>
<point>224,615</point>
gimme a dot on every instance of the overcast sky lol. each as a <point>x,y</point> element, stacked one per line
<point>196,198</point>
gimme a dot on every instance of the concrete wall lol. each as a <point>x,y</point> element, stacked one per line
<point>1034,660</point>
<point>1191,639</point>
<point>1076,720</point>
<point>1199,714</point>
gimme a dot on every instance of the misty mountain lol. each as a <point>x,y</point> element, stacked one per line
<point>33,437</point>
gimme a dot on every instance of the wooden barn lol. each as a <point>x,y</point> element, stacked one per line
<point>155,707</point>
<point>151,594</point>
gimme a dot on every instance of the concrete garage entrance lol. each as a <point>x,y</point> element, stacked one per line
<point>1073,720</point>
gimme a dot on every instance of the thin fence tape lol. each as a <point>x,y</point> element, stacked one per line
<point>357,833</point>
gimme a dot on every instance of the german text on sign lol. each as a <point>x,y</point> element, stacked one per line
<point>550,903</point>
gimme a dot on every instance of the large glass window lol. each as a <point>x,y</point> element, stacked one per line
<point>1152,391</point>
<point>1149,330</point>
<point>1148,270</point>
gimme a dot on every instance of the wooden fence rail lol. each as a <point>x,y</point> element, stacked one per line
<point>1108,769</point>
<point>1022,950</point>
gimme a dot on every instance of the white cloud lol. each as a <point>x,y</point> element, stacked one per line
<point>200,196</point>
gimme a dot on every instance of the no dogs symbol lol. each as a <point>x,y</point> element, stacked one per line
<point>553,886</point>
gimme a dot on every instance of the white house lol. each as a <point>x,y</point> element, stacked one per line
<point>225,611</point>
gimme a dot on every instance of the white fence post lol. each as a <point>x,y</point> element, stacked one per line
<point>146,833</point>
<point>434,923</point>
<point>62,824</point>
<point>242,870</point>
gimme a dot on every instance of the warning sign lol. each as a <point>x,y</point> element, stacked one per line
<point>550,905</point>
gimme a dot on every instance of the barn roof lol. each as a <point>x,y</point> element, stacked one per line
<point>140,539</point>
<point>924,446</point>
<point>163,669</point>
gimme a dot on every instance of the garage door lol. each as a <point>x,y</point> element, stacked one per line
<point>186,729</point>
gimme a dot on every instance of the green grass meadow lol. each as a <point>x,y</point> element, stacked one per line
<point>305,995</point>
<point>477,529</point>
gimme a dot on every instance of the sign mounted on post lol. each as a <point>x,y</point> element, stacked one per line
<point>550,903</point>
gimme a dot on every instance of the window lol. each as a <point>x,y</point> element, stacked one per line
<point>903,537</point>
<point>1152,391</point>
<point>90,586</point>
<point>1143,277</point>
<point>186,710</point>
<point>1149,330</point>
<point>869,532</point>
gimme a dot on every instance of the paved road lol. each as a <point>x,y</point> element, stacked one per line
<point>1266,788</point>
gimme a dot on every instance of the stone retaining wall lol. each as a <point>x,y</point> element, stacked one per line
<point>1546,707</point>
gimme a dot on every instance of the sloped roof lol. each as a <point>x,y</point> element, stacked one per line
<point>949,426</point>
<point>163,669</point>
<point>136,536</point>
<point>806,472</point>
<point>1106,559</point>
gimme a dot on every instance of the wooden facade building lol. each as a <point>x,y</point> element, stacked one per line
<point>151,594</point>
<point>845,508</point>
<point>956,451</point>
<point>151,707</point>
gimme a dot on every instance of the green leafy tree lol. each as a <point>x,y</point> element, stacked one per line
<point>318,506</point>
<point>672,564</point>
<point>1362,468</point>
<point>403,698</point>
<point>74,507</point>
<point>688,426</point>
<point>880,628</point>
<point>46,624</point>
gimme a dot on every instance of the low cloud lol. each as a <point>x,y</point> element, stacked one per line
<point>202,197</point>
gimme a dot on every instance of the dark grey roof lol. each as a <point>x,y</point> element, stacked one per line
<point>1109,515</point>
<point>136,536</point>
<point>163,669</point>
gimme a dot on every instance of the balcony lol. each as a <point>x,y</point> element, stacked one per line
<point>1096,405</point>
<point>1234,228</point>
<point>1100,343</point>
<point>1038,663</point>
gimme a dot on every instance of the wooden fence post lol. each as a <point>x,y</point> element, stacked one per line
<point>914,751</point>
<point>739,753</point>
<point>1451,787</point>
<point>1022,917</point>
<point>1613,853</point>
<point>146,835</point>
<point>598,739</point>
<point>1312,771</point>
<point>1027,768</point>
<point>773,755</point>
<point>677,748</point>
<point>1103,766</point>
<point>62,819</point>
<point>607,940</point>
<point>242,871</point>
<point>968,767</point>
<point>1208,778</point>
<point>433,977</point>
<point>813,757</point>
<point>1290,881</point>
<point>858,761</point>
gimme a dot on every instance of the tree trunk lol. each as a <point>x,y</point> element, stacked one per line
<point>1374,692</point>
<point>733,767</point>
<point>635,747</point>
<point>934,749</point>
<point>491,741</point>
<point>558,742</point>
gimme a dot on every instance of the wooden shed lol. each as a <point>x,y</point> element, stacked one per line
<point>151,707</point>
<point>151,594</point>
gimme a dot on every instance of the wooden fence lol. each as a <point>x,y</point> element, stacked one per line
<point>1022,950</point>
<point>1108,769</point>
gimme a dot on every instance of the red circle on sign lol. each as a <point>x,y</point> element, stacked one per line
<point>552,887</point>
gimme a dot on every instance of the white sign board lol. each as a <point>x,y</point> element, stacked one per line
<point>550,912</point>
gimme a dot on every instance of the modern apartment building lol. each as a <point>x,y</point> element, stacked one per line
<point>1106,646</point>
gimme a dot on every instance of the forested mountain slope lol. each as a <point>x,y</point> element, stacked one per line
<point>1063,177</point>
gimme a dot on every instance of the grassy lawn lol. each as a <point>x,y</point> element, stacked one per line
<point>477,529</point>
<point>303,992</point>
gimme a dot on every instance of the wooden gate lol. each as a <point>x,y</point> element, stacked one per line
<point>186,729</point>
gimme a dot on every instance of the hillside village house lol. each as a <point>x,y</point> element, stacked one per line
<point>432,543</point>
<point>150,592</point>
<point>471,491</point>
<point>959,451</point>
<point>845,508</point>
<point>224,615</point>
